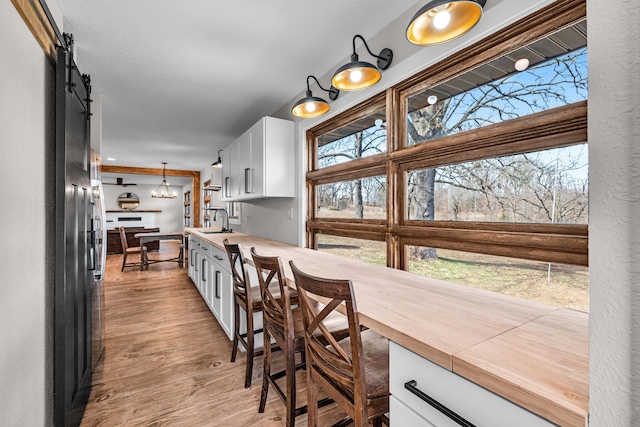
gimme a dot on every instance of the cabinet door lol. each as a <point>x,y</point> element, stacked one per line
<point>225,292</point>
<point>196,267</point>
<point>278,158</point>
<point>230,182</point>
<point>191,265</point>
<point>256,168</point>
<point>206,279</point>
<point>250,169</point>
<point>216,295</point>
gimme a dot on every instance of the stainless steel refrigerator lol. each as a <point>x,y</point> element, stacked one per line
<point>99,257</point>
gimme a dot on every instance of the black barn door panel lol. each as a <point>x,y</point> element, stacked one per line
<point>73,276</point>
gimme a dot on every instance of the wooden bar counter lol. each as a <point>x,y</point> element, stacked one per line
<point>532,354</point>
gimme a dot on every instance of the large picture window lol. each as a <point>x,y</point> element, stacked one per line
<point>549,186</point>
<point>475,170</point>
<point>362,138</point>
<point>359,198</point>
<point>497,91</point>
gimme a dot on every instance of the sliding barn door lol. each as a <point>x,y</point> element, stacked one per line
<point>73,276</point>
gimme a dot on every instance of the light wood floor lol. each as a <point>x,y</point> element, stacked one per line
<point>166,359</point>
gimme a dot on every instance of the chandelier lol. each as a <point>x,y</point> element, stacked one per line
<point>162,192</point>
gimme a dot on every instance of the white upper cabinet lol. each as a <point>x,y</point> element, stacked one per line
<point>265,162</point>
<point>230,182</point>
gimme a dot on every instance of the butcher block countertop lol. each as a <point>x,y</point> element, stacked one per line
<point>532,354</point>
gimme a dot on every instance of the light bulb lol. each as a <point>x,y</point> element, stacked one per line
<point>355,76</point>
<point>432,99</point>
<point>522,64</point>
<point>441,20</point>
<point>378,123</point>
<point>310,107</point>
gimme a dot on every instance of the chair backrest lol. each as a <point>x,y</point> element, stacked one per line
<point>123,239</point>
<point>276,309</point>
<point>241,283</point>
<point>324,353</point>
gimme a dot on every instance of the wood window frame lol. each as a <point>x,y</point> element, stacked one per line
<point>558,127</point>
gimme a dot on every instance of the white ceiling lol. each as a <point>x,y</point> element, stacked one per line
<point>181,79</point>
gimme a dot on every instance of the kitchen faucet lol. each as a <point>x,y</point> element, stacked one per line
<point>215,216</point>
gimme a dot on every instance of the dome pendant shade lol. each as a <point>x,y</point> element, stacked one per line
<point>311,106</point>
<point>441,21</point>
<point>357,75</point>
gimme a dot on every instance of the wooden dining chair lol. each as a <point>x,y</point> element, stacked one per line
<point>354,371</point>
<point>247,298</point>
<point>126,251</point>
<point>282,325</point>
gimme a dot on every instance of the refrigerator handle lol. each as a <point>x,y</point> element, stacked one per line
<point>93,251</point>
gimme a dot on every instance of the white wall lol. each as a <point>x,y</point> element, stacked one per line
<point>27,172</point>
<point>172,215</point>
<point>614,212</point>
<point>268,219</point>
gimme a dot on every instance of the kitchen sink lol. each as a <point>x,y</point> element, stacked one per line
<point>215,231</point>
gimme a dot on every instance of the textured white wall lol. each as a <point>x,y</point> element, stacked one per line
<point>26,138</point>
<point>614,212</point>
<point>170,219</point>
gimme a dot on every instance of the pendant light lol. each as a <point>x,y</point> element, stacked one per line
<point>217,163</point>
<point>440,21</point>
<point>163,188</point>
<point>312,106</point>
<point>358,74</point>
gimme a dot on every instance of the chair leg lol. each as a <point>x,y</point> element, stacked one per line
<point>290,385</point>
<point>266,372</point>
<point>312,400</point>
<point>377,422</point>
<point>236,330</point>
<point>124,260</point>
<point>250,351</point>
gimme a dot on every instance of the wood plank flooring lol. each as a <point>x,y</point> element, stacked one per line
<point>166,359</point>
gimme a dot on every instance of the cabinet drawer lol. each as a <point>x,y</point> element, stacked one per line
<point>402,415</point>
<point>462,397</point>
<point>220,258</point>
<point>205,248</point>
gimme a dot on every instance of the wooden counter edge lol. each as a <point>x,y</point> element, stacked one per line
<point>551,410</point>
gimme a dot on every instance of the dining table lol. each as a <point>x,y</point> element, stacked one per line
<point>160,235</point>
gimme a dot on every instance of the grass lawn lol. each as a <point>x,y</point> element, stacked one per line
<point>568,285</point>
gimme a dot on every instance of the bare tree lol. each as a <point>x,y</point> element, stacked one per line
<point>352,147</point>
<point>513,188</point>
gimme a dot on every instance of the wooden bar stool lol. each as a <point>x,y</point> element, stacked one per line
<point>126,251</point>
<point>248,298</point>
<point>354,371</point>
<point>283,325</point>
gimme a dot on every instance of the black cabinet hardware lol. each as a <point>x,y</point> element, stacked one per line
<point>412,386</point>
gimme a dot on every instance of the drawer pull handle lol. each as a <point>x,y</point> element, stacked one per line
<point>217,284</point>
<point>412,386</point>
<point>218,257</point>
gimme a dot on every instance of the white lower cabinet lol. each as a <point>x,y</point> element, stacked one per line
<point>433,396</point>
<point>404,416</point>
<point>210,272</point>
